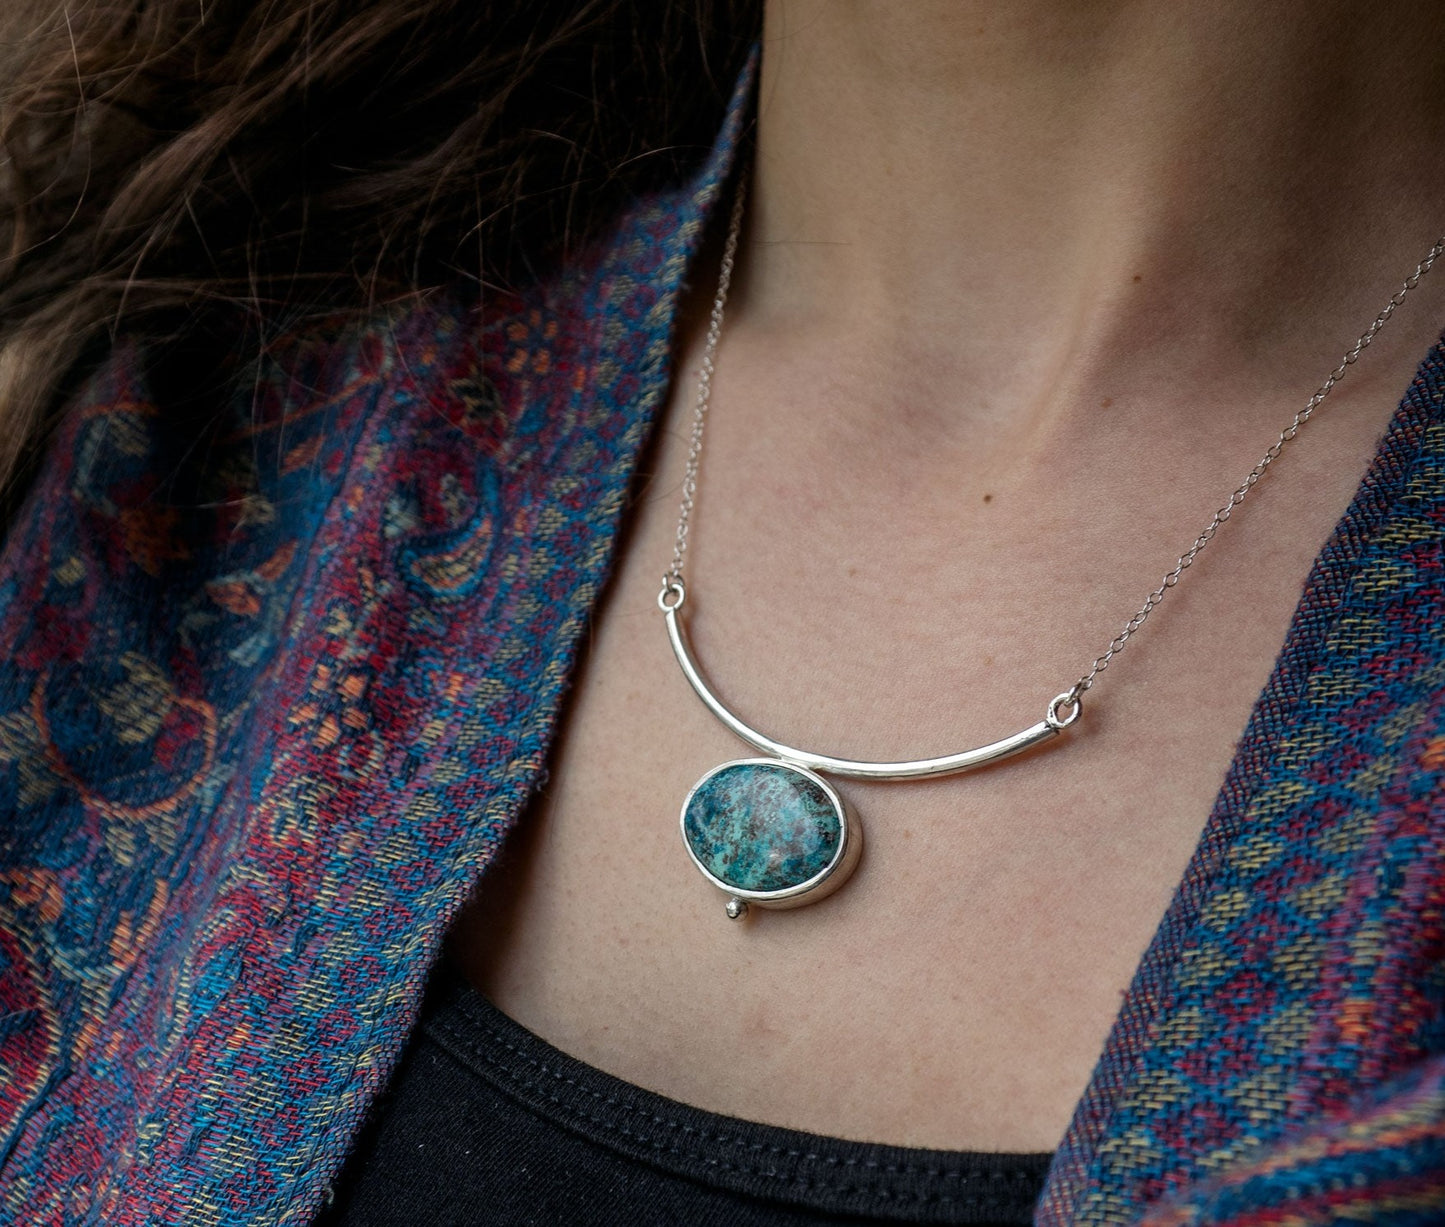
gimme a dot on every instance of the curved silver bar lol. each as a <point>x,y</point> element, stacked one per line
<point>919,768</point>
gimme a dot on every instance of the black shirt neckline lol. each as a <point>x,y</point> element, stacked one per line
<point>825,1174</point>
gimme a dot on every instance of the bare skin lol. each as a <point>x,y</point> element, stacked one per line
<point>1025,293</point>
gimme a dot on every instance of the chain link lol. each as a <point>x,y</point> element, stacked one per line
<point>673,587</point>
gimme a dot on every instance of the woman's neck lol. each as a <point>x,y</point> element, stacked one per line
<point>1044,196</point>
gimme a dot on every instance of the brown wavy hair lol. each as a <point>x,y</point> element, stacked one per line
<point>198,171</point>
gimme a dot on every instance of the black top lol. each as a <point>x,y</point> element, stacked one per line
<point>486,1123</point>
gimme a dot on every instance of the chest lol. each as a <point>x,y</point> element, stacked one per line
<point>957,991</point>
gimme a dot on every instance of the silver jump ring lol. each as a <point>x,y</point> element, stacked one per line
<point>1060,723</point>
<point>671,586</point>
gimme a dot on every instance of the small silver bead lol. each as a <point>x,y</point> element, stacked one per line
<point>737,909</point>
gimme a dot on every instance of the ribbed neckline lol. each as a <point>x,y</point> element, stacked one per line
<point>831,1175</point>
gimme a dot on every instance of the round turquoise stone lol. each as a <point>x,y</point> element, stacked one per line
<point>762,826</point>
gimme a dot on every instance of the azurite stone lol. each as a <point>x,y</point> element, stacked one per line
<point>762,826</point>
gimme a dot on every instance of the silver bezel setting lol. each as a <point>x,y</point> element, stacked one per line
<point>822,883</point>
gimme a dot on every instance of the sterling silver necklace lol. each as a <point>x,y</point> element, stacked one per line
<point>771,830</point>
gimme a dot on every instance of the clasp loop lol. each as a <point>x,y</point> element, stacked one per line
<point>1068,699</point>
<point>673,593</point>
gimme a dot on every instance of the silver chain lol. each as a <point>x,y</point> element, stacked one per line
<point>1186,560</point>
<point>674,590</point>
<point>672,582</point>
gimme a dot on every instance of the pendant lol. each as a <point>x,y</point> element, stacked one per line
<point>770,832</point>
<point>774,832</point>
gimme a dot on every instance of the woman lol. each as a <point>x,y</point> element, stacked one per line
<point>1020,297</point>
